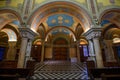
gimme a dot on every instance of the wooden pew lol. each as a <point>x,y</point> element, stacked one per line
<point>105,73</point>
<point>8,64</point>
<point>14,73</point>
<point>110,76</point>
<point>9,70</point>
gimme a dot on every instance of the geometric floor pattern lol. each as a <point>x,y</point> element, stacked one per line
<point>60,70</point>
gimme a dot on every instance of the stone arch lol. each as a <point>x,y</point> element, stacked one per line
<point>13,11</point>
<point>13,18</point>
<point>40,11</point>
<point>110,33</point>
<point>107,11</point>
<point>60,36</point>
<point>11,34</point>
<point>49,31</point>
<point>83,41</point>
<point>36,42</point>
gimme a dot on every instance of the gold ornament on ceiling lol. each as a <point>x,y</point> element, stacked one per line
<point>60,18</point>
<point>53,21</point>
<point>66,21</point>
<point>60,22</point>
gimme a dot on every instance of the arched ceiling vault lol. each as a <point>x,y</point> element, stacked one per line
<point>11,17</point>
<point>111,32</point>
<point>54,15</point>
<point>61,7</point>
<point>110,22</point>
<point>60,30</point>
<point>111,16</point>
<point>11,34</point>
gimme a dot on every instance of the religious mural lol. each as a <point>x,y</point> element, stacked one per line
<point>60,20</point>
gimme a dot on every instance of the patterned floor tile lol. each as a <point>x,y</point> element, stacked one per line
<point>60,70</point>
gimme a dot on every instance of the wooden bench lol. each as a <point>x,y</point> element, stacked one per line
<point>110,76</point>
<point>108,72</point>
<point>14,73</point>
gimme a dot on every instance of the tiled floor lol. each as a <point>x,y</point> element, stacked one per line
<point>60,70</point>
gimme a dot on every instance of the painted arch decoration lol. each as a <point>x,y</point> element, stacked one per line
<point>11,34</point>
<point>60,30</point>
<point>44,11</point>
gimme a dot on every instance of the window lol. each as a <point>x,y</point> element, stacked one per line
<point>2,50</point>
<point>85,50</point>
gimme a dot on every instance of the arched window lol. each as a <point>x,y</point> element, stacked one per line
<point>84,51</point>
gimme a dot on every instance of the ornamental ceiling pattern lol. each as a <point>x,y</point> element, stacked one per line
<point>60,20</point>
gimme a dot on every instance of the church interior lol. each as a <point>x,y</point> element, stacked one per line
<point>59,39</point>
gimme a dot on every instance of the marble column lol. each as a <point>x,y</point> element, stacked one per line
<point>94,34</point>
<point>11,51</point>
<point>98,53</point>
<point>78,51</point>
<point>91,51</point>
<point>26,34</point>
<point>21,58</point>
<point>28,51</point>
<point>42,52</point>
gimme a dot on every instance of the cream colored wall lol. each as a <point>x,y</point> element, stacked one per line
<point>107,2</point>
<point>48,53</point>
<point>72,52</point>
<point>12,3</point>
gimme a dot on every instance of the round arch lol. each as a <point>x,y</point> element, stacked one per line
<point>60,36</point>
<point>107,10</point>
<point>11,34</point>
<point>9,10</point>
<point>49,31</point>
<point>10,17</point>
<point>48,8</point>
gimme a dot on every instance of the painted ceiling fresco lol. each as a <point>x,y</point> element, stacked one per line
<point>60,20</point>
<point>60,30</point>
<point>16,22</point>
<point>109,17</point>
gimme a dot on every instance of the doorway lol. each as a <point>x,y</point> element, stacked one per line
<point>60,49</point>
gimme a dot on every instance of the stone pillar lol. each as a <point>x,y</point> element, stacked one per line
<point>21,58</point>
<point>78,51</point>
<point>26,34</point>
<point>43,50</point>
<point>28,51</point>
<point>94,34</point>
<point>98,53</point>
<point>91,51</point>
<point>11,51</point>
<point>110,57</point>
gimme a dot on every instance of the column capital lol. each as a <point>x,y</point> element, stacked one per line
<point>26,32</point>
<point>93,33</point>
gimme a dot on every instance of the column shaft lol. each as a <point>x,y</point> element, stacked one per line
<point>91,51</point>
<point>21,59</point>
<point>78,52</point>
<point>42,53</point>
<point>28,51</point>
<point>98,53</point>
